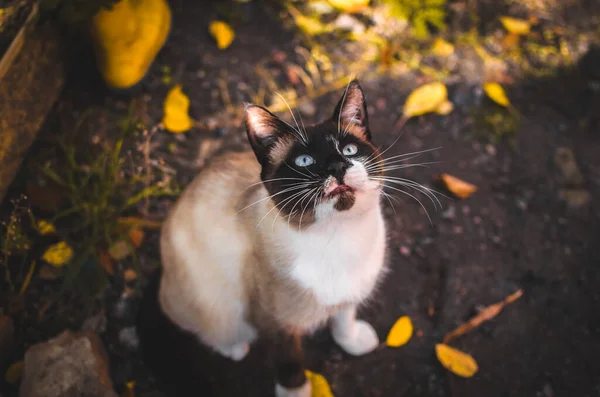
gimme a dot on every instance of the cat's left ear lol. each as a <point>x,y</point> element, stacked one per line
<point>351,112</point>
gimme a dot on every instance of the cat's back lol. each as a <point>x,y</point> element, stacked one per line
<point>205,216</point>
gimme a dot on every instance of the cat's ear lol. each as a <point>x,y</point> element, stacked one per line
<point>351,111</point>
<point>263,129</point>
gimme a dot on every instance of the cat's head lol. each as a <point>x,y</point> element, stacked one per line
<point>318,170</point>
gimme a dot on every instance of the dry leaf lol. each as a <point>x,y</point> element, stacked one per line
<point>350,6</point>
<point>106,262</point>
<point>496,94</point>
<point>400,333</point>
<point>457,186</point>
<point>27,278</point>
<point>140,222</point>
<point>425,99</point>
<point>457,362</point>
<point>310,26</point>
<point>320,386</point>
<point>58,254</point>
<point>515,25</point>
<point>442,48</point>
<point>14,372</point>
<point>136,236</point>
<point>130,275</point>
<point>129,389</point>
<point>222,33</point>
<point>486,314</point>
<point>510,41</point>
<point>120,249</point>
<point>176,106</point>
<point>45,227</point>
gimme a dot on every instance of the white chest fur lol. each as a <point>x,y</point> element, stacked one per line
<point>339,260</point>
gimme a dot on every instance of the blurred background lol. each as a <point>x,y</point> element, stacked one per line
<point>108,108</point>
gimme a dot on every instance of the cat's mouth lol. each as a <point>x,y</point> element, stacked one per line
<point>340,190</point>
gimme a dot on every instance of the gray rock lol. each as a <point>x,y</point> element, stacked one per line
<point>69,365</point>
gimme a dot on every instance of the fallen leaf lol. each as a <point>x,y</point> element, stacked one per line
<point>350,6</point>
<point>130,275</point>
<point>456,361</point>
<point>486,314</point>
<point>45,227</point>
<point>445,108</point>
<point>136,236</point>
<point>176,106</point>
<point>515,25</point>
<point>320,386</point>
<point>222,33</point>
<point>496,94</point>
<point>139,222</point>
<point>427,98</point>
<point>510,41</point>
<point>120,249</point>
<point>106,262</point>
<point>14,372</point>
<point>442,48</point>
<point>457,186</point>
<point>129,389</point>
<point>400,333</point>
<point>58,254</point>
<point>27,278</point>
<point>308,25</point>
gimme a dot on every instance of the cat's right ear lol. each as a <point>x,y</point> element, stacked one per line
<point>263,129</point>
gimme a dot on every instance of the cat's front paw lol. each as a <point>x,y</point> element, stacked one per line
<point>303,391</point>
<point>362,340</point>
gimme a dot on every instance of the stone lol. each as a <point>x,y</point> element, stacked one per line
<point>69,365</point>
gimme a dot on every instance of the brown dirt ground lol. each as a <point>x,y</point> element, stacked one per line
<point>514,232</point>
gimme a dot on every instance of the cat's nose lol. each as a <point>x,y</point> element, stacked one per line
<point>337,169</point>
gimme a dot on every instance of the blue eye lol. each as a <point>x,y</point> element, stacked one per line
<point>350,149</point>
<point>304,160</point>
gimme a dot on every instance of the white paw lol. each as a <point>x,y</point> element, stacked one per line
<point>303,391</point>
<point>362,340</point>
<point>235,352</point>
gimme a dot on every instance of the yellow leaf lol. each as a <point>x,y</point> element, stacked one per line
<point>129,389</point>
<point>175,107</point>
<point>308,25</point>
<point>58,254</point>
<point>457,362</point>
<point>45,227</point>
<point>222,33</point>
<point>350,6</point>
<point>27,278</point>
<point>515,25</point>
<point>445,108</point>
<point>320,386</point>
<point>425,99</point>
<point>14,372</point>
<point>496,93</point>
<point>457,186</point>
<point>400,333</point>
<point>442,48</point>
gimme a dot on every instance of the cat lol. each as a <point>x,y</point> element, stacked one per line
<point>280,240</point>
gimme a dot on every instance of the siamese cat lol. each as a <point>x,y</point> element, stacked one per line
<point>281,240</point>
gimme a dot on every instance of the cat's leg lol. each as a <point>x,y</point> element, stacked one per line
<point>246,335</point>
<point>289,367</point>
<point>356,337</point>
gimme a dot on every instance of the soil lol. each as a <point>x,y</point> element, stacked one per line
<point>514,232</point>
